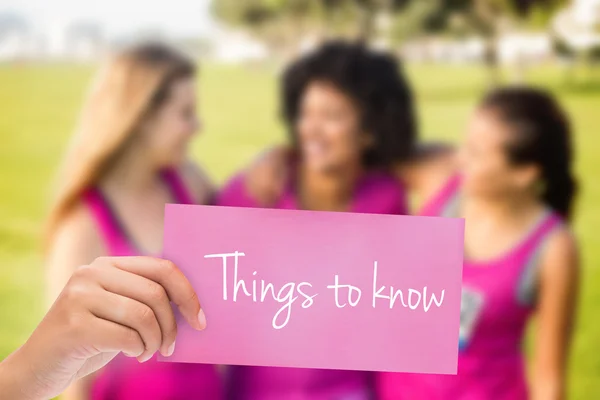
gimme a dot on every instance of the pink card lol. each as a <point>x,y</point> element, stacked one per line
<point>319,289</point>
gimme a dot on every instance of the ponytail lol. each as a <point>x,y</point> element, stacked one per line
<point>541,135</point>
<point>559,193</point>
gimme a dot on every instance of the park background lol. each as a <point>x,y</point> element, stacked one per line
<point>454,51</point>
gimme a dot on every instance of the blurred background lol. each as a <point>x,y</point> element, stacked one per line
<point>454,51</point>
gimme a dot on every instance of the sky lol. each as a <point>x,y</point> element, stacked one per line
<point>118,17</point>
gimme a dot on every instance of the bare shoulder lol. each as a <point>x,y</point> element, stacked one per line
<point>561,254</point>
<point>197,180</point>
<point>79,232</point>
<point>77,241</point>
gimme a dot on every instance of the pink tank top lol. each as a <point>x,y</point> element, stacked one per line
<point>498,297</point>
<point>124,378</point>
<point>375,193</point>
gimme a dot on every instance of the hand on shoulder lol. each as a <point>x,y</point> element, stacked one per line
<point>266,177</point>
<point>430,167</point>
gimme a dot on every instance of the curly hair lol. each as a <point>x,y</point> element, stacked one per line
<point>374,81</point>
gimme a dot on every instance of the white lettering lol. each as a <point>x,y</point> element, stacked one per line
<point>285,295</point>
<point>351,289</point>
<point>376,292</point>
<point>410,303</point>
<point>224,256</point>
<point>432,298</point>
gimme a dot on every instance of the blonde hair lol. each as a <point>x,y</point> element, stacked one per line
<point>131,84</point>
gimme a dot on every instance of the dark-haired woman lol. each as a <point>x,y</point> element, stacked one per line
<point>350,115</point>
<point>513,184</point>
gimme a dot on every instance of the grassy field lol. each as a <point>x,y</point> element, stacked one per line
<point>38,108</point>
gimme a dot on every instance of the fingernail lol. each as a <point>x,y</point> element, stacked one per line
<point>201,320</point>
<point>171,349</point>
<point>144,359</point>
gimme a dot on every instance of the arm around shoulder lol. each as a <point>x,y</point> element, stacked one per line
<point>431,165</point>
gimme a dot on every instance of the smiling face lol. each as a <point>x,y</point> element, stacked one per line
<point>167,131</point>
<point>486,168</point>
<point>329,129</point>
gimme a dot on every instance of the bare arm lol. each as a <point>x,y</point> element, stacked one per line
<point>558,282</point>
<point>112,305</point>
<point>76,243</point>
<point>424,173</point>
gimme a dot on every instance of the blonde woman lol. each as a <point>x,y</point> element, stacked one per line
<point>127,160</point>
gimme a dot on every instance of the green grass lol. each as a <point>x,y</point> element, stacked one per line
<point>39,105</point>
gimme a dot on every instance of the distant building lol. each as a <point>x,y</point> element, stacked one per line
<point>198,48</point>
<point>78,41</point>
<point>230,46</point>
<point>15,40</point>
<point>525,47</point>
<point>84,41</point>
<point>511,49</point>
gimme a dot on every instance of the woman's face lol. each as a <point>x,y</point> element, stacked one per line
<point>168,131</point>
<point>329,129</point>
<point>486,169</point>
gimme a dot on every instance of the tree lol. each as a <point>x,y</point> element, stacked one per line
<point>576,36</point>
<point>282,22</point>
<point>250,13</point>
<point>484,18</point>
<point>366,12</point>
<point>489,16</point>
<point>276,21</point>
<point>288,18</point>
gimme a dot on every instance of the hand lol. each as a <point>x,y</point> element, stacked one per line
<point>112,305</point>
<point>265,179</point>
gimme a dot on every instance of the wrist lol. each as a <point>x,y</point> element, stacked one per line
<point>15,381</point>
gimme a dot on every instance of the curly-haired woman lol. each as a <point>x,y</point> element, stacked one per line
<point>350,116</point>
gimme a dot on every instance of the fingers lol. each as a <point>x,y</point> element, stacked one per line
<point>146,292</point>
<point>111,337</point>
<point>128,313</point>
<point>178,288</point>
